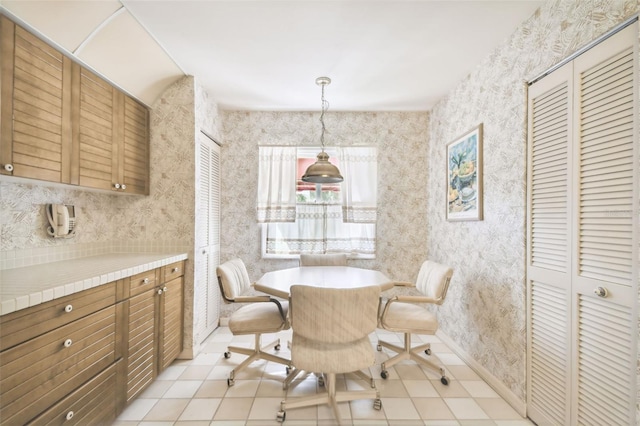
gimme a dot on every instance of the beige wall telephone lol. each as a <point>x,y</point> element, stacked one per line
<point>62,219</point>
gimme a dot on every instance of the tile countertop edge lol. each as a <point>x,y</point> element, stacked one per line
<point>9,304</point>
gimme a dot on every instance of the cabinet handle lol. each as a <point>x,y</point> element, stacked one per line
<point>123,186</point>
<point>145,281</point>
<point>159,291</point>
<point>164,289</point>
<point>175,270</point>
<point>68,308</point>
<point>69,415</point>
<point>601,292</point>
<point>116,185</point>
<point>8,167</point>
<point>68,343</point>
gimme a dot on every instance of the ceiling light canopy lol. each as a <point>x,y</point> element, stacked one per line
<point>322,171</point>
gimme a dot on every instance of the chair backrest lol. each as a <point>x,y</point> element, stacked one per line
<point>433,280</point>
<point>334,259</point>
<point>233,279</point>
<point>334,315</point>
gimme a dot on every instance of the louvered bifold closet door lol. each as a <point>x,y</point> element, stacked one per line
<point>606,224</point>
<point>206,293</point>
<point>41,109</point>
<point>548,249</point>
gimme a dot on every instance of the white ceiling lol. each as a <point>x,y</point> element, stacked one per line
<point>265,55</point>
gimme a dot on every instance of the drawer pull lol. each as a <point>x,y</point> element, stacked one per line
<point>116,185</point>
<point>145,281</point>
<point>164,289</point>
<point>68,308</point>
<point>123,186</point>
<point>69,415</point>
<point>68,343</point>
<point>159,291</point>
<point>176,269</point>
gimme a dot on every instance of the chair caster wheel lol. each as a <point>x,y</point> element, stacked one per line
<point>377,404</point>
<point>277,347</point>
<point>444,380</point>
<point>384,374</point>
<point>230,382</point>
<point>227,355</point>
<point>281,416</point>
<point>427,351</point>
<point>321,381</point>
<point>379,347</point>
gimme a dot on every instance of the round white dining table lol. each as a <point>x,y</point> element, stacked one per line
<point>277,283</point>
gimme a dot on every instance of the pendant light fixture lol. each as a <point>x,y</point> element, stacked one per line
<point>322,171</point>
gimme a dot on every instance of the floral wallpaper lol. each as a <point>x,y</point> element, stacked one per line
<point>401,139</point>
<point>485,312</point>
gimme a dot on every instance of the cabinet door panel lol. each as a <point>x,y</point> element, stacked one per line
<point>135,154</point>
<point>142,343</point>
<point>172,322</point>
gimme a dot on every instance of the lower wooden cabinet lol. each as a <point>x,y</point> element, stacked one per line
<point>82,358</point>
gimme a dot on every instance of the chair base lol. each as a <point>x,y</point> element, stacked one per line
<point>257,352</point>
<point>407,352</point>
<point>332,397</point>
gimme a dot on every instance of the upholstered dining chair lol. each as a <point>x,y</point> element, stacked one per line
<point>259,314</point>
<point>408,315</point>
<point>332,259</point>
<point>331,330</point>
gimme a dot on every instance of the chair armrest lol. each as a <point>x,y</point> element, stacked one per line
<point>251,299</point>
<point>414,299</point>
<point>404,299</point>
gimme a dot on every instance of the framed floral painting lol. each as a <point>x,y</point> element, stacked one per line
<point>464,176</point>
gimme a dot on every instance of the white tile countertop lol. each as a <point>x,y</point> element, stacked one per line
<point>21,288</point>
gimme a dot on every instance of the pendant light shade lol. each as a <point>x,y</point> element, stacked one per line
<point>322,171</point>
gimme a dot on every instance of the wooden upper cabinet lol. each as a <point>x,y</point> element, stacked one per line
<point>35,107</point>
<point>60,122</point>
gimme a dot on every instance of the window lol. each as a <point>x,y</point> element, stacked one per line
<point>299,217</point>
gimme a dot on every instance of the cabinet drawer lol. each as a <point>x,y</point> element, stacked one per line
<point>172,271</point>
<point>143,282</point>
<point>36,374</point>
<point>20,326</point>
<point>94,403</point>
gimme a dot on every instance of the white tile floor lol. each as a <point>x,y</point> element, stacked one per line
<point>195,392</point>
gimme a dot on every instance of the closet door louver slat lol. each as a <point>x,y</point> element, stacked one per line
<point>605,233</point>
<point>549,202</point>
<point>549,352</point>
<point>605,348</point>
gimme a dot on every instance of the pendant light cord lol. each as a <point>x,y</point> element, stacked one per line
<point>325,106</point>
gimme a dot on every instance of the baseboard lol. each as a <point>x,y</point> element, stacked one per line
<point>506,394</point>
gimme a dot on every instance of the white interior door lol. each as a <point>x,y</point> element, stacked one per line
<point>207,253</point>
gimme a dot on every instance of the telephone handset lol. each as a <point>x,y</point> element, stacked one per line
<point>62,219</point>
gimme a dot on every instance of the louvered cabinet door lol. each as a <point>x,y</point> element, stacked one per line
<point>548,250</point>
<point>94,135</point>
<point>171,322</point>
<point>134,160</point>
<point>606,223</point>
<point>36,107</point>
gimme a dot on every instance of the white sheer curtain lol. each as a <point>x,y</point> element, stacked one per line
<point>347,227</point>
<point>276,184</point>
<point>359,166</point>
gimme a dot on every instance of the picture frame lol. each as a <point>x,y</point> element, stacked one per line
<point>464,176</point>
